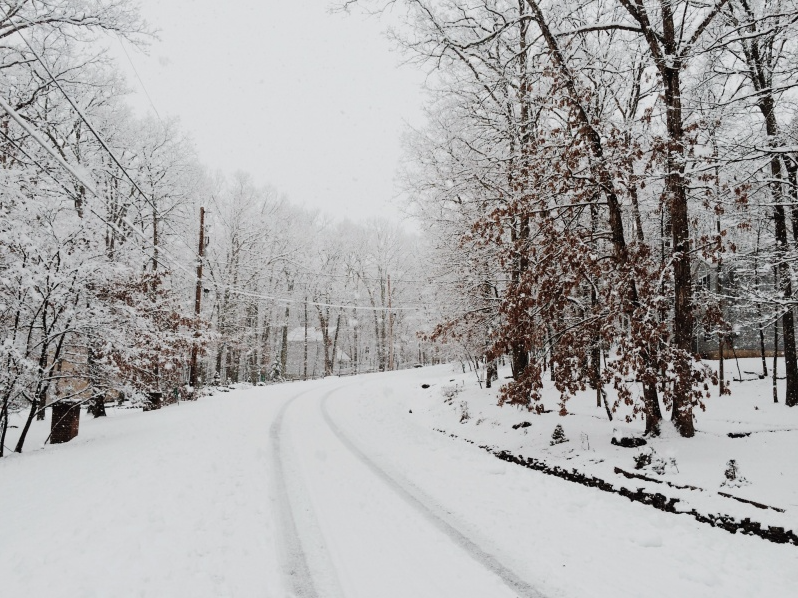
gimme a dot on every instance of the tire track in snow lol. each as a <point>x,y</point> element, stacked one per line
<point>431,511</point>
<point>295,565</point>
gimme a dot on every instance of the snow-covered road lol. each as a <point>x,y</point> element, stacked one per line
<point>383,536</point>
<point>333,488</point>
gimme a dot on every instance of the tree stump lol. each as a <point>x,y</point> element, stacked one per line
<point>65,422</point>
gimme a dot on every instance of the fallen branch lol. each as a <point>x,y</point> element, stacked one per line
<point>656,481</point>
<point>758,505</point>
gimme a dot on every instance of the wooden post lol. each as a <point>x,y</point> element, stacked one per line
<point>197,300</point>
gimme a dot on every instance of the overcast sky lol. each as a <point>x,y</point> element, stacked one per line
<point>310,102</point>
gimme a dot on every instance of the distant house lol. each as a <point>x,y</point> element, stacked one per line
<point>743,319</point>
<point>295,366</point>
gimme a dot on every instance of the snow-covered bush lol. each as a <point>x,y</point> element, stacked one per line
<point>733,479</point>
<point>276,371</point>
<point>558,436</point>
<point>643,459</point>
<point>650,459</point>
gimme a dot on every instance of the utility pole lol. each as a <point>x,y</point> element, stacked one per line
<point>192,378</point>
<point>390,327</point>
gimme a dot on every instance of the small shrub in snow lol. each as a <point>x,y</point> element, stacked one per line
<point>733,477</point>
<point>449,393</point>
<point>658,466</point>
<point>665,465</point>
<point>649,459</point>
<point>276,371</point>
<point>643,459</point>
<point>558,436</point>
<point>464,415</point>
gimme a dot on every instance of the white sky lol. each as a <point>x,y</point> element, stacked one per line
<point>310,102</point>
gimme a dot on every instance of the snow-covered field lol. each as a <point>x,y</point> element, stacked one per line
<point>334,488</point>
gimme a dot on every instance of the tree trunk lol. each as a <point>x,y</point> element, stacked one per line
<point>718,291</point>
<point>355,348</point>
<point>324,323</point>
<point>762,351</point>
<point>721,373</point>
<point>379,333</point>
<point>775,359</point>
<point>42,385</point>
<point>782,246</point>
<point>219,353</point>
<point>521,229</point>
<point>491,373</point>
<point>607,184</point>
<point>265,352</point>
<point>760,69</point>
<point>97,406</point>
<point>653,412</point>
<point>305,346</point>
<point>335,344</point>
<point>758,306</point>
<point>284,343</point>
<point>3,424</point>
<point>676,192</point>
<point>33,405</point>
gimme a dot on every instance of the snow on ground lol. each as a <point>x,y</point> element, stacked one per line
<point>167,503</point>
<point>766,458</point>
<point>334,488</point>
<point>571,540</point>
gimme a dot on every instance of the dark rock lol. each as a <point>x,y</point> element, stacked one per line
<point>629,441</point>
<point>521,425</point>
<point>425,386</point>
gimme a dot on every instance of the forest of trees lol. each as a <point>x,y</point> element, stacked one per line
<point>602,185</point>
<point>607,183</point>
<point>99,230</point>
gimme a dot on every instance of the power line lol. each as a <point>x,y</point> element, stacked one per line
<point>143,87</point>
<point>80,113</point>
<point>90,187</point>
<point>286,301</point>
<point>28,128</point>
